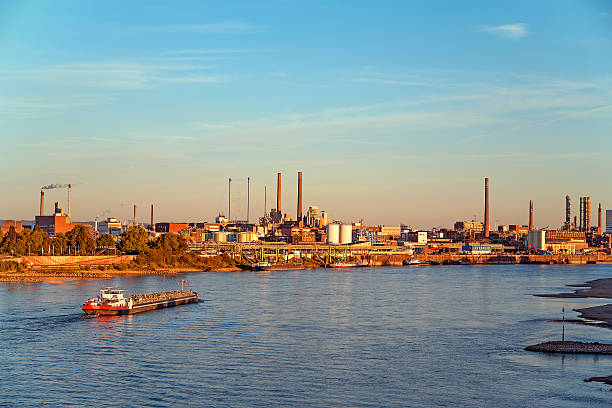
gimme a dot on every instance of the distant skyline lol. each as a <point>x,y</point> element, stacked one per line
<point>394,111</point>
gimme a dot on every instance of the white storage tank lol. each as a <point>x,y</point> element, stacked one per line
<point>346,234</point>
<point>537,238</point>
<point>333,233</point>
<point>220,236</point>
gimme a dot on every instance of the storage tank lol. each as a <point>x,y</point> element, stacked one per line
<point>220,236</point>
<point>346,234</point>
<point>537,238</point>
<point>333,233</point>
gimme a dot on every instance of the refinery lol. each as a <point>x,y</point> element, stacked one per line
<point>277,236</point>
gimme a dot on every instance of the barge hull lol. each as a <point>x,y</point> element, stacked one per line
<point>142,307</point>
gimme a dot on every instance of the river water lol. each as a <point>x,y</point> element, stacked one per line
<point>390,336</point>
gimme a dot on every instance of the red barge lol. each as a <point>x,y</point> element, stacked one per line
<point>113,301</point>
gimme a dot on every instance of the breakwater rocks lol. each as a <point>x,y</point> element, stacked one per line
<point>571,347</point>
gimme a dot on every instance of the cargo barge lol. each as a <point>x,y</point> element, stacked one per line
<point>114,302</point>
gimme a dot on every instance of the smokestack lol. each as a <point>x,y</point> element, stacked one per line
<point>42,202</point>
<point>568,211</point>
<point>229,199</point>
<point>248,197</point>
<point>487,225</point>
<point>152,225</point>
<point>587,222</point>
<point>278,194</point>
<point>265,200</point>
<point>135,214</point>
<point>69,188</point>
<point>299,203</point>
<point>599,220</point>
<point>531,215</point>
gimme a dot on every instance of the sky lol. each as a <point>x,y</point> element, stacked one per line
<point>395,111</point>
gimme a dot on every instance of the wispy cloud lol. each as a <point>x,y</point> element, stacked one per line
<point>222,27</point>
<point>214,51</point>
<point>121,74</point>
<point>37,107</point>
<point>511,31</point>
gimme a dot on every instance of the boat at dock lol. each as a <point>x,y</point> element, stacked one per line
<point>413,262</point>
<point>113,301</point>
<point>261,266</point>
<point>349,264</point>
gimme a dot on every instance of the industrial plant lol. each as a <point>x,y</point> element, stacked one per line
<point>314,230</point>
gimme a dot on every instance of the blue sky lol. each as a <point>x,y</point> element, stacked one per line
<point>394,111</point>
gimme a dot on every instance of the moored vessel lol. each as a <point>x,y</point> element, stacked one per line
<point>349,264</point>
<point>261,266</point>
<point>113,301</point>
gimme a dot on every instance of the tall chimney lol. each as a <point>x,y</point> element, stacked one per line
<point>278,195</point>
<point>299,203</point>
<point>599,220</point>
<point>587,218</point>
<point>152,225</point>
<point>568,211</point>
<point>248,197</point>
<point>135,214</point>
<point>42,202</point>
<point>531,215</point>
<point>69,188</point>
<point>229,199</point>
<point>265,200</point>
<point>487,225</point>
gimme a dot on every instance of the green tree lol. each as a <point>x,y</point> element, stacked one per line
<point>105,241</point>
<point>134,240</point>
<point>170,242</point>
<point>81,240</point>
<point>59,244</point>
<point>36,241</point>
<point>11,244</point>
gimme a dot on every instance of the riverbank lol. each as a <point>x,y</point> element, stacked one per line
<point>37,276</point>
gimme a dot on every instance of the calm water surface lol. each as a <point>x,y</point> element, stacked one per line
<point>393,336</point>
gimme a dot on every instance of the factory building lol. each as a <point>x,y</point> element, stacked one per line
<point>6,225</point>
<point>608,221</point>
<point>365,234</point>
<point>110,226</point>
<point>472,249</point>
<point>419,237</point>
<point>469,226</point>
<point>56,223</point>
<point>164,227</point>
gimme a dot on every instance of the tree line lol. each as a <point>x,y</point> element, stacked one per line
<point>80,241</point>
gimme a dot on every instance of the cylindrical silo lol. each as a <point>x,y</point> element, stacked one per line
<point>346,233</point>
<point>333,233</point>
<point>220,236</point>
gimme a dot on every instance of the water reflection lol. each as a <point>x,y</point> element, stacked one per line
<point>389,336</point>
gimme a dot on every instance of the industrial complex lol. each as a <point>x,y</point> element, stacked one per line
<point>314,228</point>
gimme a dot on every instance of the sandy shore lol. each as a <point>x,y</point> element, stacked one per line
<point>599,288</point>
